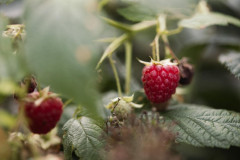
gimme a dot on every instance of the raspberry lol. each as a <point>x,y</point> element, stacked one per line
<point>42,117</point>
<point>160,82</point>
<point>122,110</point>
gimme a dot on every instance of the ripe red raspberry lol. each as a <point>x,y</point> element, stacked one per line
<point>43,112</point>
<point>160,82</point>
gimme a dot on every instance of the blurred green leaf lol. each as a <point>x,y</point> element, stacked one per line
<point>84,135</point>
<point>8,87</point>
<point>202,126</point>
<point>11,66</point>
<point>137,13</point>
<point>60,48</point>
<point>202,20</point>
<point>6,1</point>
<point>6,120</point>
<point>232,62</point>
<point>150,9</point>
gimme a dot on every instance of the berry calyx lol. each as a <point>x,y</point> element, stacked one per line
<point>160,80</point>
<point>31,83</point>
<point>42,110</point>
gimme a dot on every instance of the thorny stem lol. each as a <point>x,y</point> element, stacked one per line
<point>116,75</point>
<point>128,53</point>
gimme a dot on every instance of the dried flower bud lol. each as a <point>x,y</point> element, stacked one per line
<point>186,71</point>
<point>30,81</point>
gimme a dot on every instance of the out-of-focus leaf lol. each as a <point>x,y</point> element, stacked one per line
<point>137,13</point>
<point>84,135</point>
<point>8,87</point>
<point>4,146</point>
<point>202,126</point>
<point>150,9</point>
<point>202,20</point>
<point>6,119</point>
<point>11,66</point>
<point>60,47</point>
<point>6,1</point>
<point>232,62</point>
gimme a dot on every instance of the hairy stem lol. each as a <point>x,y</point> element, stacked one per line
<point>128,53</point>
<point>116,75</point>
<point>143,25</point>
<point>153,51</point>
<point>168,49</point>
<point>156,41</point>
<point>174,31</point>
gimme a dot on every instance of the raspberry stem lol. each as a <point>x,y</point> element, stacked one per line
<point>153,51</point>
<point>156,41</point>
<point>128,53</point>
<point>116,75</point>
<point>167,47</point>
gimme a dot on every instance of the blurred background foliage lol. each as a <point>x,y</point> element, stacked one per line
<point>213,85</point>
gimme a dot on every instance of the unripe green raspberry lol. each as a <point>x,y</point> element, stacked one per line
<point>122,110</point>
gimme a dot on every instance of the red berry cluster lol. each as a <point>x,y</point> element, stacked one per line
<point>44,117</point>
<point>160,82</point>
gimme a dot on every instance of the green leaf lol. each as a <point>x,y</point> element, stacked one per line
<point>137,13</point>
<point>150,9</point>
<point>202,20</point>
<point>202,126</point>
<point>232,62</point>
<point>60,49</point>
<point>85,135</point>
<point>12,67</point>
<point>7,120</point>
<point>7,87</point>
<point>6,1</point>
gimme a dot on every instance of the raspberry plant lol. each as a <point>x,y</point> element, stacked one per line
<point>59,43</point>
